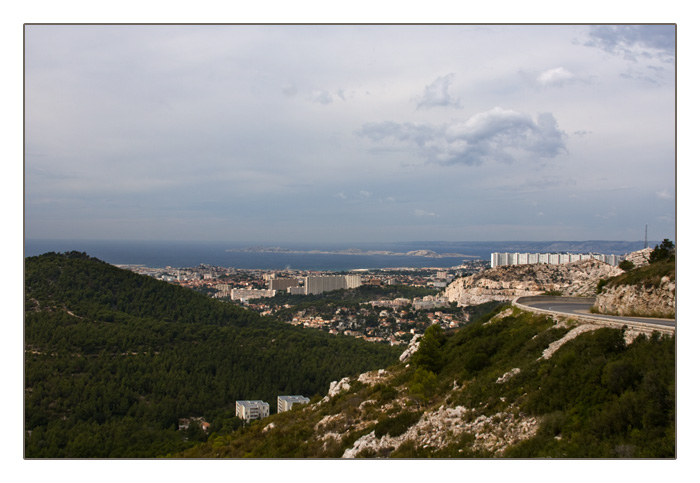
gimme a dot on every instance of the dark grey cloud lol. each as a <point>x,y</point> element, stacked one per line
<point>495,135</point>
<point>436,95</point>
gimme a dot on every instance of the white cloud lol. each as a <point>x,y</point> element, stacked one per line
<point>436,95</point>
<point>498,134</point>
<point>556,77</point>
<point>321,96</point>
<point>422,213</point>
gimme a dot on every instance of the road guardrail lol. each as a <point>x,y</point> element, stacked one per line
<point>646,327</point>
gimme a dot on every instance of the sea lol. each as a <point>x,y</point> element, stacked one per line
<point>296,256</point>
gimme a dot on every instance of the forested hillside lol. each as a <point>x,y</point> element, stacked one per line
<point>113,359</point>
<point>494,388</point>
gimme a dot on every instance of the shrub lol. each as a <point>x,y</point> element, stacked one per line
<point>626,265</point>
<point>397,425</point>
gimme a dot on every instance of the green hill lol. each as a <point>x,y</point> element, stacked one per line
<point>113,359</point>
<point>486,390</point>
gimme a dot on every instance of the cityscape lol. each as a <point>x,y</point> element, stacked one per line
<point>384,320</point>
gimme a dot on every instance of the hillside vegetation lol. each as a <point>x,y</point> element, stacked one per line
<point>487,390</point>
<point>646,276</point>
<point>113,359</point>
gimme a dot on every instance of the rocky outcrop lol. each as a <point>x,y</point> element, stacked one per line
<point>337,387</point>
<point>639,258</point>
<point>645,299</point>
<point>572,334</point>
<point>438,428</point>
<point>412,348</point>
<point>373,377</point>
<point>638,300</point>
<point>510,282</point>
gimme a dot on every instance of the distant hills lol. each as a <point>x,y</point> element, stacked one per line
<point>348,251</point>
<point>465,248</point>
<point>588,246</point>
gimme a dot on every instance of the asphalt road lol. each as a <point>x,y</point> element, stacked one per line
<point>571,306</point>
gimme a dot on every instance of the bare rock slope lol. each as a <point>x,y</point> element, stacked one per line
<point>510,282</point>
<point>639,300</point>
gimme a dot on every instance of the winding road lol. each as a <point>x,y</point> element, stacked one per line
<point>580,307</point>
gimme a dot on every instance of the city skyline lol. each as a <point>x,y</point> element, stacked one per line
<point>350,132</point>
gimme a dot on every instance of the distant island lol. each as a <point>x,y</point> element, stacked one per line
<point>353,251</point>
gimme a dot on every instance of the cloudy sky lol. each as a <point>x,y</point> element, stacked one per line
<point>331,133</point>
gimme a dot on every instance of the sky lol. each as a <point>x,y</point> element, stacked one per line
<point>334,133</point>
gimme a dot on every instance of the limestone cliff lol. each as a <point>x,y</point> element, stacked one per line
<point>639,258</point>
<point>510,282</point>
<point>639,300</point>
<point>646,291</point>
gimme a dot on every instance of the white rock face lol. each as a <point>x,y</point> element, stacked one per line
<point>510,282</point>
<point>659,301</point>
<point>437,428</point>
<point>337,387</point>
<point>639,258</point>
<point>412,348</point>
<point>572,334</point>
<point>372,377</point>
<point>640,301</point>
<point>505,377</point>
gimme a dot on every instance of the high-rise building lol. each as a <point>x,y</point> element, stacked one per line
<point>326,283</point>
<point>282,283</point>
<point>500,259</point>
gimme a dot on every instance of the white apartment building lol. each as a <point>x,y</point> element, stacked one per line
<point>248,410</point>
<point>285,403</point>
<point>282,283</point>
<point>501,259</point>
<point>244,294</point>
<point>325,283</point>
<point>429,302</point>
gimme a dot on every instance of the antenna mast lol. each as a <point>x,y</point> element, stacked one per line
<point>646,243</point>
